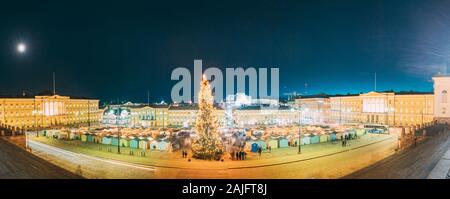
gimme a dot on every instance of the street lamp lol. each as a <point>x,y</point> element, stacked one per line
<point>26,139</point>
<point>300,128</point>
<point>35,113</point>
<point>118,128</point>
<point>121,113</point>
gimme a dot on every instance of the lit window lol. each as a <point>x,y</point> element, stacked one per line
<point>444,96</point>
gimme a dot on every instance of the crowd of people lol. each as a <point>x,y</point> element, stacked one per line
<point>345,138</point>
<point>239,155</point>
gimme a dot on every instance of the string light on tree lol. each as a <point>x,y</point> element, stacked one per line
<point>208,144</point>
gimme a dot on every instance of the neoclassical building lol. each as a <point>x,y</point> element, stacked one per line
<point>255,115</point>
<point>345,109</point>
<point>27,112</point>
<point>386,108</point>
<point>314,109</point>
<point>136,115</point>
<point>441,98</point>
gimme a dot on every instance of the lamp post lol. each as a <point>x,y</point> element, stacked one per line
<point>300,128</point>
<point>89,114</point>
<point>118,128</point>
<point>423,109</point>
<point>393,110</point>
<point>26,139</point>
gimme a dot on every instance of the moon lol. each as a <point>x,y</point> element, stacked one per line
<point>21,48</point>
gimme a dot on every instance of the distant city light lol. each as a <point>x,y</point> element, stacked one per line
<point>21,48</point>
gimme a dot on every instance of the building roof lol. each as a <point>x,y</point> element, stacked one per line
<point>183,107</point>
<point>321,95</point>
<point>258,107</point>
<point>413,93</point>
<point>27,96</point>
<point>354,94</point>
<point>159,105</point>
<point>250,107</point>
<point>133,105</point>
<point>188,107</point>
<point>345,95</point>
<point>442,75</point>
<point>284,108</point>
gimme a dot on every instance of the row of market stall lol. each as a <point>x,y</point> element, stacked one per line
<point>254,145</point>
<point>146,143</point>
<point>160,140</point>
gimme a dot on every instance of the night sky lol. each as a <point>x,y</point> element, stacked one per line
<point>120,50</point>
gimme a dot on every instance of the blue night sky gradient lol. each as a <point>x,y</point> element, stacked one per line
<point>119,50</point>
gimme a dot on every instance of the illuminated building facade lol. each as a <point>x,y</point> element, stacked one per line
<point>386,108</point>
<point>441,98</point>
<point>136,115</point>
<point>256,115</point>
<point>315,109</point>
<point>242,110</point>
<point>345,109</point>
<point>161,114</point>
<point>47,111</point>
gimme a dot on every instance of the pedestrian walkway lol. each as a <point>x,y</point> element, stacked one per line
<point>442,168</point>
<point>275,157</point>
<point>16,163</point>
<point>330,165</point>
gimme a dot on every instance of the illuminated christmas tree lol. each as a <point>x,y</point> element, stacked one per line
<point>208,144</point>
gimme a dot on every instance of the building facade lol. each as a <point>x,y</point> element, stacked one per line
<point>345,109</point>
<point>47,111</point>
<point>441,98</point>
<point>386,108</point>
<point>314,109</point>
<point>136,115</point>
<point>257,115</point>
